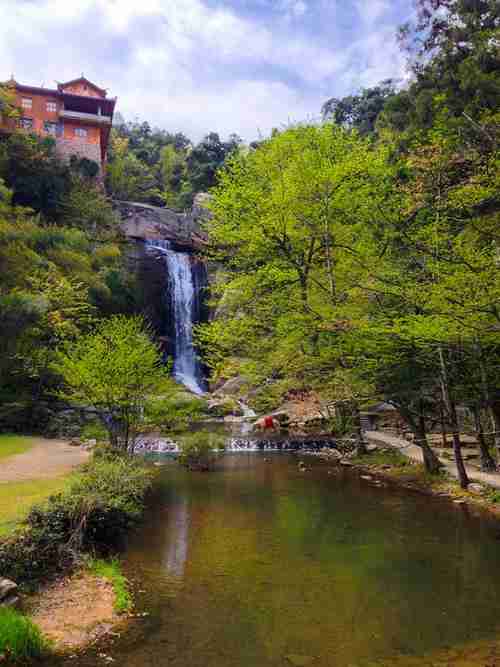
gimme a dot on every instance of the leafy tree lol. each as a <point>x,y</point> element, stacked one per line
<point>199,450</point>
<point>452,48</point>
<point>175,412</point>
<point>127,177</point>
<point>359,112</point>
<point>30,167</point>
<point>294,224</point>
<point>117,369</point>
<point>8,109</point>
<point>207,157</point>
<point>174,175</point>
<point>87,208</point>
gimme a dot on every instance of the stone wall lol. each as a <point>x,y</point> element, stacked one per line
<point>65,148</point>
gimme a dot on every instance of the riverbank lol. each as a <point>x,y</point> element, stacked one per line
<point>261,563</point>
<point>33,468</point>
<point>385,465</point>
<point>75,611</point>
<point>414,453</point>
<point>48,555</point>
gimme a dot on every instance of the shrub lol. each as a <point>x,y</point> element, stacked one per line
<point>174,413</point>
<point>20,639</point>
<point>198,451</point>
<point>94,431</point>
<point>92,516</point>
<point>111,571</point>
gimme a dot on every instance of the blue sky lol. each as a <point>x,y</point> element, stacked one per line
<point>196,66</point>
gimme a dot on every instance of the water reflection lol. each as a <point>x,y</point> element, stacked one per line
<point>258,561</point>
<point>177,532</point>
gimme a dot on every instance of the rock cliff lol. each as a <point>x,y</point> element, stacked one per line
<point>146,222</point>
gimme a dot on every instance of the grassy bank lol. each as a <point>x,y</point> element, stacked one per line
<point>12,444</point>
<point>20,639</point>
<point>90,516</point>
<point>17,499</point>
<point>392,466</point>
<point>111,571</point>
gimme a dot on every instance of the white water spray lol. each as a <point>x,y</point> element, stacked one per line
<point>182,294</point>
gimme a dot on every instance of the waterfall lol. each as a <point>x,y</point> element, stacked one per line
<point>181,292</point>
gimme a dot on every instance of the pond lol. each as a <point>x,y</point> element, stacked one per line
<point>259,564</point>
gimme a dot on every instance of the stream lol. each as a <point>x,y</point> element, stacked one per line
<point>258,564</point>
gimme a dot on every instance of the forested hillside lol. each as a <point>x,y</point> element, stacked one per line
<point>158,167</point>
<point>358,258</point>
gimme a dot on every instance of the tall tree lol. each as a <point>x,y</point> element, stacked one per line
<point>117,369</point>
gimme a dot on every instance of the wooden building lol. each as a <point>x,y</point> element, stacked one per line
<point>78,114</point>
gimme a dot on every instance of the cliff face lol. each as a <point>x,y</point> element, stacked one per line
<point>141,223</point>
<point>146,222</point>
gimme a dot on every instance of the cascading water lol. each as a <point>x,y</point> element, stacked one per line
<point>182,297</point>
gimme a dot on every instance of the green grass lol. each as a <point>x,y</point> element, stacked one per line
<point>384,457</point>
<point>17,498</point>
<point>111,571</point>
<point>11,444</point>
<point>20,639</point>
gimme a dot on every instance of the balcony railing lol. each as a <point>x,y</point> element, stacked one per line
<point>80,115</point>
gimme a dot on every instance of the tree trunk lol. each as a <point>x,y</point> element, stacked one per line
<point>455,429</point>
<point>361,444</point>
<point>487,462</point>
<point>494,416</point>
<point>442,423</point>
<point>431,462</point>
<point>114,429</point>
<point>495,423</point>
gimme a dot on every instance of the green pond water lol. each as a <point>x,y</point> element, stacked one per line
<point>261,565</point>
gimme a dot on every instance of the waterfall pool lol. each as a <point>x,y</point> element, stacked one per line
<point>259,564</point>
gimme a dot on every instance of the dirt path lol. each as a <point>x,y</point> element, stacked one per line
<point>415,454</point>
<point>46,459</point>
<point>76,610</point>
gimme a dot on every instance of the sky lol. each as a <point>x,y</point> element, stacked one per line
<point>198,66</point>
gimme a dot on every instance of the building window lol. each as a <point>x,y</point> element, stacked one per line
<point>26,123</point>
<point>51,107</point>
<point>81,132</point>
<point>26,103</point>
<point>50,128</point>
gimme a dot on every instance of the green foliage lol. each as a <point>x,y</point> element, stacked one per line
<point>17,499</point>
<point>291,222</point>
<point>365,268</point>
<point>86,208</point>
<point>94,514</point>
<point>111,570</point>
<point>94,431</point>
<point>8,107</point>
<point>384,457</point>
<point>128,178</point>
<point>160,168</point>
<point>174,413</point>
<point>31,168</point>
<point>55,277</point>
<point>199,450</point>
<point>205,160</point>
<point>116,369</point>
<point>359,112</point>
<point>20,639</point>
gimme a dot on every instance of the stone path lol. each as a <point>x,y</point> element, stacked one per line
<point>415,453</point>
<point>46,459</point>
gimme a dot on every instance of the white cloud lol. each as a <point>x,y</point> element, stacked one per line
<point>371,11</point>
<point>185,66</point>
